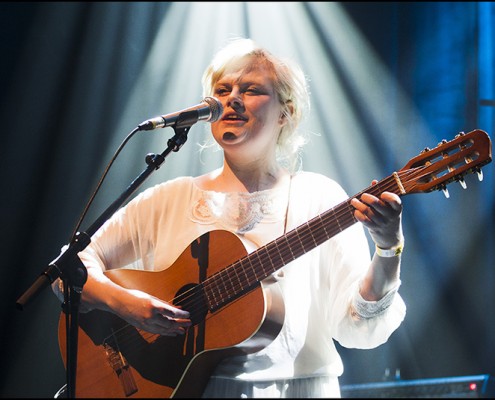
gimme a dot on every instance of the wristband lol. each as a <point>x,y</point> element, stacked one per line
<point>390,252</point>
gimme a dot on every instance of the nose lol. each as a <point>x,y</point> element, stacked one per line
<point>235,100</point>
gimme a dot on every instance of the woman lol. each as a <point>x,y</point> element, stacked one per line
<point>334,291</point>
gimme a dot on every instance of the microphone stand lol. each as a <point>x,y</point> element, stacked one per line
<point>70,268</point>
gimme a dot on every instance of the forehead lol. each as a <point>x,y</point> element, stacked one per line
<point>250,69</point>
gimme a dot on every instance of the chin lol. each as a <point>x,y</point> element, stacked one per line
<point>228,137</point>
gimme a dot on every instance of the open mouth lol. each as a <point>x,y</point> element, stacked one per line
<point>233,117</point>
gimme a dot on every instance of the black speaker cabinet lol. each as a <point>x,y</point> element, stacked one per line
<point>477,386</point>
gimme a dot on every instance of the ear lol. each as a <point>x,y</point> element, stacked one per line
<point>283,118</point>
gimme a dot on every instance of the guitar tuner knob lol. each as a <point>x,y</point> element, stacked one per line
<point>426,149</point>
<point>463,183</point>
<point>445,192</point>
<point>479,172</point>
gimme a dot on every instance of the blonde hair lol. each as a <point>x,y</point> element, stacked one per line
<point>289,83</point>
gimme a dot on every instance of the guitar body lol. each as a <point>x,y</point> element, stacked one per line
<point>115,359</point>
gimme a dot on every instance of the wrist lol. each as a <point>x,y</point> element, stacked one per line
<point>393,251</point>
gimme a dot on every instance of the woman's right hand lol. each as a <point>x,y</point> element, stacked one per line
<point>140,309</point>
<point>151,314</point>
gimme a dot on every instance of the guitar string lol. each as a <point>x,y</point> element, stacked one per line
<point>305,236</point>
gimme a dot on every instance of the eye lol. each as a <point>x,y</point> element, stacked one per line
<point>255,90</point>
<point>222,91</point>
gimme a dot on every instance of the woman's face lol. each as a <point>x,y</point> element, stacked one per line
<point>252,117</point>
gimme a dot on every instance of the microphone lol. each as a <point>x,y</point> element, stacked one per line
<point>210,109</point>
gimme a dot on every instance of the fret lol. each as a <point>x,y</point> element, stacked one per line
<point>260,274</point>
<point>299,246</point>
<point>266,256</point>
<point>298,236</point>
<point>222,287</point>
<point>285,245</point>
<point>253,263</point>
<point>280,257</point>
<point>318,235</point>
<point>209,290</point>
<point>246,277</point>
<point>229,284</point>
<point>274,266</point>
<point>315,243</point>
<point>336,219</point>
<point>323,225</point>
<point>238,278</point>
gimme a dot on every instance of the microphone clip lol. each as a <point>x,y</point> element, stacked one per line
<point>184,119</point>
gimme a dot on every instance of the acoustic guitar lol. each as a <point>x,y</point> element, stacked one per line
<point>234,308</point>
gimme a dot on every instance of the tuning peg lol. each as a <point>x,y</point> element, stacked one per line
<point>445,191</point>
<point>480,174</point>
<point>462,182</point>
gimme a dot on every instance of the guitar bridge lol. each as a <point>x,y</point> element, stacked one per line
<point>121,368</point>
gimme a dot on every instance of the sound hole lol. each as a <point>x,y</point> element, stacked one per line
<point>191,297</point>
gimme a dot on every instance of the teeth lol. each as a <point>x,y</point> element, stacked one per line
<point>234,117</point>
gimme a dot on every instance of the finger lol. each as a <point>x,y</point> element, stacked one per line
<point>364,213</point>
<point>170,325</point>
<point>173,332</point>
<point>358,205</point>
<point>175,322</point>
<point>374,208</point>
<point>372,201</point>
<point>392,200</point>
<point>171,311</point>
<point>388,205</point>
<point>365,219</point>
<point>176,330</point>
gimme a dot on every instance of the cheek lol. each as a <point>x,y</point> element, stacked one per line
<point>269,120</point>
<point>215,130</point>
<point>268,114</point>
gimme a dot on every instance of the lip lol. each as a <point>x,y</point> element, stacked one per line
<point>233,117</point>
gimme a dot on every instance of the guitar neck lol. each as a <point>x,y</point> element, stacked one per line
<point>246,273</point>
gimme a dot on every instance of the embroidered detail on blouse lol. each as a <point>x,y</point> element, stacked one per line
<point>239,211</point>
<point>363,309</point>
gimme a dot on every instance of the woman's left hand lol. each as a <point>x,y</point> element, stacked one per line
<point>382,216</point>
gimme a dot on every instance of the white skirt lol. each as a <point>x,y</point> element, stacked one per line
<point>308,387</point>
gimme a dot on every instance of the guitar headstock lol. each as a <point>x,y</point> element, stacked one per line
<point>434,169</point>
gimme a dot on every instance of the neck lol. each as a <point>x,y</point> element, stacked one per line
<point>247,178</point>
